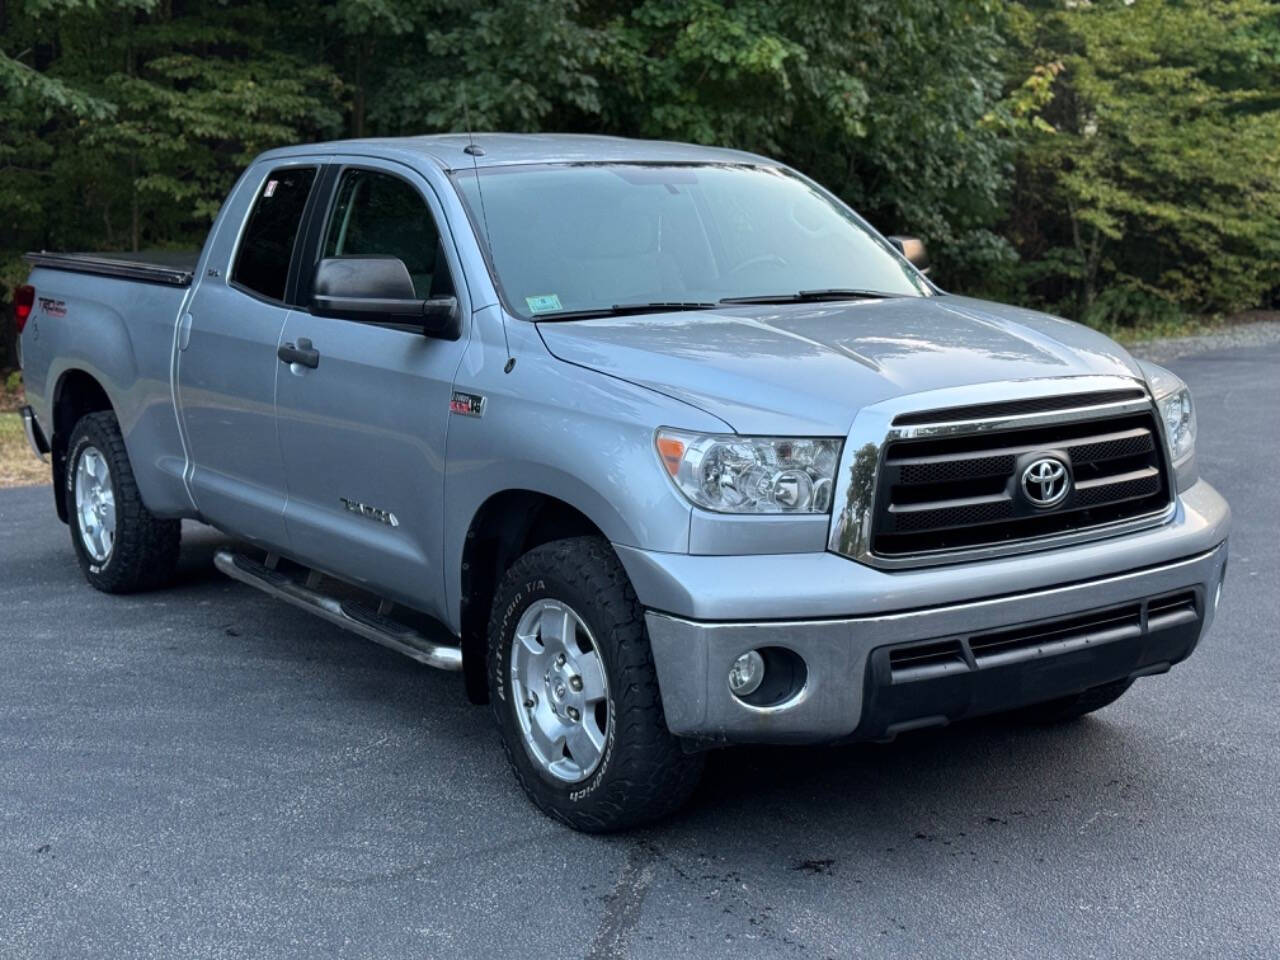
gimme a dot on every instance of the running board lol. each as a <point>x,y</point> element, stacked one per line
<point>369,622</point>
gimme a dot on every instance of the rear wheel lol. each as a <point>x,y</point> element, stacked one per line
<point>1075,706</point>
<point>575,695</point>
<point>120,545</point>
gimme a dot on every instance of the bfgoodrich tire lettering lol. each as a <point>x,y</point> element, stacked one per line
<point>144,551</point>
<point>643,772</point>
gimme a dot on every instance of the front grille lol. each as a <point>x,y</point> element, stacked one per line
<point>1172,611</point>
<point>927,660</point>
<point>963,491</point>
<point>1057,636</point>
<point>931,659</point>
<point>1013,408</point>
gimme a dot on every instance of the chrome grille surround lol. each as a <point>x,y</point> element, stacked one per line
<point>854,504</point>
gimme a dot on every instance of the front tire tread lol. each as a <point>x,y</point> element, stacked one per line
<point>649,774</point>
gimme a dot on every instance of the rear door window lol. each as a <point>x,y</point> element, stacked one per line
<point>262,264</point>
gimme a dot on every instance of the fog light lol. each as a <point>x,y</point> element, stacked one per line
<point>746,674</point>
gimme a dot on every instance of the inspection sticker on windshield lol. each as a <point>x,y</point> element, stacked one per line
<point>548,301</point>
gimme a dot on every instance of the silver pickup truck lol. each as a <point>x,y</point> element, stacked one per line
<point>661,446</point>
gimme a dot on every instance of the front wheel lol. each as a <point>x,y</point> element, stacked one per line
<point>121,546</point>
<point>575,695</point>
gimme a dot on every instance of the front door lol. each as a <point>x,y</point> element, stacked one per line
<point>227,365</point>
<point>363,431</point>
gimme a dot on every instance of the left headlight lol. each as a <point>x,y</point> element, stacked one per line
<point>732,474</point>
<point>1179,423</point>
<point>1173,398</point>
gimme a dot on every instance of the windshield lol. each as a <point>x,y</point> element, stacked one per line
<point>570,238</point>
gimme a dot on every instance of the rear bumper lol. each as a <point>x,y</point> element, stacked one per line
<point>1037,645</point>
<point>35,437</point>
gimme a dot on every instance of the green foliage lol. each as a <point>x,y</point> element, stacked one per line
<point>140,120</point>
<point>1117,161</point>
<point>517,66</point>
<point>889,103</point>
<point>1154,170</point>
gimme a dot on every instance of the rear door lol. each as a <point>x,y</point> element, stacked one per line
<point>363,432</point>
<point>227,365</point>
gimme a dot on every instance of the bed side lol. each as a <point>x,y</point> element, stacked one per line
<point>94,339</point>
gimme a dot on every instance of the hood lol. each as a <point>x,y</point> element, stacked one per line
<point>808,368</point>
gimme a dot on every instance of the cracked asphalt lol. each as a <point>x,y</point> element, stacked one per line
<point>205,772</point>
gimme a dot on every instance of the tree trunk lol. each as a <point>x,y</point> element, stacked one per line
<point>133,201</point>
<point>357,106</point>
<point>1084,295</point>
<point>1091,268</point>
<point>130,65</point>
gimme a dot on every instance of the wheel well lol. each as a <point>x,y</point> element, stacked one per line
<point>76,394</point>
<point>506,527</point>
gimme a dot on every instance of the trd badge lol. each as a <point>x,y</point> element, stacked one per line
<point>467,404</point>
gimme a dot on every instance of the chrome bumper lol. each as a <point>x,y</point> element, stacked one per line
<point>34,436</point>
<point>693,655</point>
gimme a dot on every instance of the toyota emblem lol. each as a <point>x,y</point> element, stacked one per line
<point>1045,482</point>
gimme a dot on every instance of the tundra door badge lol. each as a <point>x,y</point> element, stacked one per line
<point>373,513</point>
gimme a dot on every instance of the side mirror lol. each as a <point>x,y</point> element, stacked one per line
<point>440,318</point>
<point>913,249</point>
<point>379,290</point>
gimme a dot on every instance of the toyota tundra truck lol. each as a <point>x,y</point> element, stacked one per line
<point>662,447</point>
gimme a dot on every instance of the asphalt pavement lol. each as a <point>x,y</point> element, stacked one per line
<point>206,772</point>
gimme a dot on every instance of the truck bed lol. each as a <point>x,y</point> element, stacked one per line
<point>171,267</point>
<point>113,318</point>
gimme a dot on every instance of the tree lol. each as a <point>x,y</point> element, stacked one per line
<point>1128,152</point>
<point>894,104</point>
<point>1152,184</point>
<point>125,123</point>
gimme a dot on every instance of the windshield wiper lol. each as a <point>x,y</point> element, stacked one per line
<point>812,296</point>
<point>627,309</point>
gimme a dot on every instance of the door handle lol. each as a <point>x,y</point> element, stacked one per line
<point>303,354</point>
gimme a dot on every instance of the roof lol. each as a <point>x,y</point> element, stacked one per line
<point>499,149</point>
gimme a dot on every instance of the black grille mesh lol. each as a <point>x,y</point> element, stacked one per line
<point>940,471</point>
<point>1111,449</point>
<point>1125,490</point>
<point>979,513</point>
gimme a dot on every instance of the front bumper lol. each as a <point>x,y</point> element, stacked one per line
<point>849,692</point>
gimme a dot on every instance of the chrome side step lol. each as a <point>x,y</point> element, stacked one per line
<point>370,622</point>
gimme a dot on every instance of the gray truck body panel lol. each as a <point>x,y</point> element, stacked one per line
<point>120,333</point>
<point>807,370</point>
<point>219,430</point>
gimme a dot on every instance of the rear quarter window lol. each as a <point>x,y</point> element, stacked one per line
<point>262,263</point>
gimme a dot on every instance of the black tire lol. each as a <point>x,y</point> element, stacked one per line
<point>644,773</point>
<point>1065,709</point>
<point>144,554</point>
